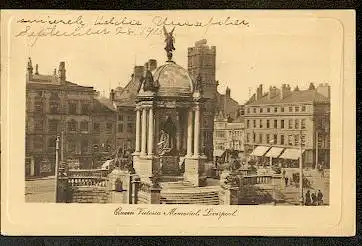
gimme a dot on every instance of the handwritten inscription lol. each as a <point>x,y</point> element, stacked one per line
<point>79,26</point>
<point>207,212</point>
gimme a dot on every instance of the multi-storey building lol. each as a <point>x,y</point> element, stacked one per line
<point>290,120</point>
<point>228,134</point>
<point>54,107</point>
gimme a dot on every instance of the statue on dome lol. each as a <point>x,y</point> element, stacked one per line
<point>169,40</point>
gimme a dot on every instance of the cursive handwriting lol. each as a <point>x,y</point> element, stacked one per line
<point>53,21</point>
<point>227,21</point>
<point>116,22</point>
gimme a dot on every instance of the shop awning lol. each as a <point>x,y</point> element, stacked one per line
<point>274,152</point>
<point>292,154</point>
<point>260,150</point>
<point>218,152</point>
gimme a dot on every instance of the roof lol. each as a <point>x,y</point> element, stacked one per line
<point>106,102</point>
<point>173,80</point>
<point>127,97</point>
<point>305,96</point>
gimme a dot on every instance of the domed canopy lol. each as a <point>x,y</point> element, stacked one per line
<point>173,80</point>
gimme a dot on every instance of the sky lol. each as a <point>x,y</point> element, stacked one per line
<point>270,49</point>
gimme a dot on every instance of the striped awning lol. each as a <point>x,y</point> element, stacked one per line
<point>292,154</point>
<point>260,150</point>
<point>274,152</point>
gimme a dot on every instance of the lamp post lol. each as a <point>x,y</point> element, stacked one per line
<point>301,199</point>
<point>56,167</point>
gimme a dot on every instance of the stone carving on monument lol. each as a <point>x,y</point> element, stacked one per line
<point>148,83</point>
<point>169,40</point>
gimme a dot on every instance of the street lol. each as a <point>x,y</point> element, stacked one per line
<point>40,190</point>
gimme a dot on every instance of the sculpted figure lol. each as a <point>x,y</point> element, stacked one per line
<point>164,143</point>
<point>169,40</point>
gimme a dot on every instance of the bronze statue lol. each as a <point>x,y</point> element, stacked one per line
<point>169,40</point>
<point>164,144</point>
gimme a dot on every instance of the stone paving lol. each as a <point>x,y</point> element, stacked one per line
<point>40,190</point>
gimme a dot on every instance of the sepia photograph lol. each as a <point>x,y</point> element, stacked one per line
<point>176,109</point>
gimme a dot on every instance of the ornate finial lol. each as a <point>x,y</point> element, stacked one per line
<point>148,83</point>
<point>169,40</point>
<point>37,69</point>
<point>30,64</point>
<point>55,72</point>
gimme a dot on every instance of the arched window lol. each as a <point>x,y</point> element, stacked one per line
<point>84,125</point>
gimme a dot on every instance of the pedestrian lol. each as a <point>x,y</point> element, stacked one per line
<point>320,197</point>
<point>286,181</point>
<point>314,199</point>
<point>307,198</point>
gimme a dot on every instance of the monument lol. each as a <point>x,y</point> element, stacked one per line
<point>168,106</point>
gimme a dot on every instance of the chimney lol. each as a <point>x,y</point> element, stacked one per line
<point>259,92</point>
<point>227,92</point>
<point>311,86</point>
<point>272,92</point>
<point>61,72</point>
<point>138,72</point>
<point>36,69</point>
<point>111,95</point>
<point>285,91</point>
<point>324,89</point>
<point>152,64</point>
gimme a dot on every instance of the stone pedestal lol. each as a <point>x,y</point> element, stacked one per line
<point>120,186</point>
<point>228,195</point>
<point>195,170</point>
<point>155,195</point>
<point>278,184</point>
<point>145,166</point>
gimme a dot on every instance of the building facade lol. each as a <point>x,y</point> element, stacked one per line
<point>290,120</point>
<point>228,134</point>
<point>55,107</point>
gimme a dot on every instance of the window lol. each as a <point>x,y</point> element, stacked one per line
<point>109,127</point>
<point>38,143</point>
<point>267,124</point>
<point>261,123</point>
<point>38,124</point>
<point>281,139</point>
<point>296,140</point>
<point>84,126</point>
<point>53,126</point>
<point>72,125</point>
<point>303,108</point>
<point>282,124</point>
<point>302,124</point>
<point>290,124</point>
<point>120,117</point>
<point>52,142</point>
<point>275,110</point>
<point>290,139</point>
<point>247,124</point>
<point>254,121</point>
<point>296,124</point>
<point>248,110</point>
<point>120,127</point>
<point>260,138</point>
<point>54,102</point>
<point>248,137</point>
<point>71,147</point>
<point>290,109</point>
<point>220,134</point>
<point>261,110</point>
<point>267,138</point>
<point>85,108</point>
<point>38,104</point>
<point>282,109</point>
<point>296,109</point>
<point>72,108</point>
<point>254,137</point>
<point>254,110</point>
<point>275,140</point>
<point>84,146</point>
<point>129,127</point>
<point>302,140</point>
<point>129,118</point>
<point>268,110</point>
<point>96,127</point>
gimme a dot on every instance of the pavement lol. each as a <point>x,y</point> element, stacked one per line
<point>40,190</point>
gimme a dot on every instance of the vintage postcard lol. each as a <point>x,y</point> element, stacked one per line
<point>178,122</point>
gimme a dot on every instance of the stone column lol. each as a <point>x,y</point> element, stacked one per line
<point>178,131</point>
<point>138,130</point>
<point>150,132</point>
<point>143,139</point>
<point>197,132</point>
<point>189,133</point>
